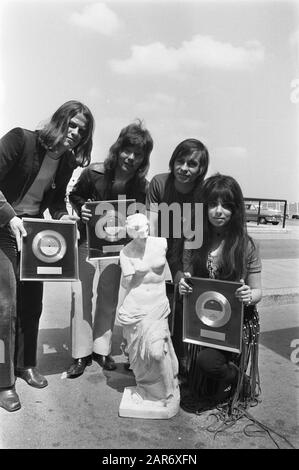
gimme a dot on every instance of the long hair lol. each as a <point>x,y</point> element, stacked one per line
<point>136,136</point>
<point>189,147</point>
<point>55,131</point>
<point>233,257</point>
<point>185,148</point>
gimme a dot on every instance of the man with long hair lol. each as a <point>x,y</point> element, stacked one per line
<point>35,168</point>
<point>123,173</point>
<point>188,167</point>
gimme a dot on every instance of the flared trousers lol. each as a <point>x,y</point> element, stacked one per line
<point>20,311</point>
<point>95,299</point>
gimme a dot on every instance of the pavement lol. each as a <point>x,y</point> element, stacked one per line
<point>82,413</point>
<point>280,277</point>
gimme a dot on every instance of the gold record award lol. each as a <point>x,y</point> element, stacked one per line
<point>49,246</point>
<point>106,230</point>
<point>212,315</point>
<point>49,252</point>
<point>213,309</point>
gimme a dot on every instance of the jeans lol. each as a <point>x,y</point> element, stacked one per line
<point>8,272</point>
<point>20,310</point>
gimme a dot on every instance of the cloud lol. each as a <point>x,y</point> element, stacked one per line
<point>95,92</point>
<point>236,158</point>
<point>230,152</point>
<point>294,38</point>
<point>157,103</point>
<point>171,111</point>
<point>97,17</point>
<point>199,52</point>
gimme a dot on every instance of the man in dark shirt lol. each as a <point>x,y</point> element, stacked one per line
<point>35,168</point>
<point>188,166</point>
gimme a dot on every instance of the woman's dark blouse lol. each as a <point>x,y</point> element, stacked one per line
<point>253,261</point>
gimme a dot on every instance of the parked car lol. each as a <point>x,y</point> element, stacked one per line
<point>266,216</point>
<point>295,216</point>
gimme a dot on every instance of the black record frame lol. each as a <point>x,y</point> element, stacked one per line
<point>106,232</point>
<point>212,315</point>
<point>49,252</point>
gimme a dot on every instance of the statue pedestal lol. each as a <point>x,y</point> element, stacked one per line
<point>133,406</point>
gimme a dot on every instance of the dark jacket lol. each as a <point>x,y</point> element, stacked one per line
<point>21,156</point>
<point>93,184</point>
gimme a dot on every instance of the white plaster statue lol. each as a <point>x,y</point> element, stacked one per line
<point>142,311</point>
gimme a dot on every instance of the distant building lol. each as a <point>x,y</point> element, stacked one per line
<point>292,207</point>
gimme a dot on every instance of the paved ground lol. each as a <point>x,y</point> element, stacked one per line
<point>83,413</point>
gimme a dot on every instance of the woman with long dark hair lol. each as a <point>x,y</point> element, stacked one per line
<point>228,253</point>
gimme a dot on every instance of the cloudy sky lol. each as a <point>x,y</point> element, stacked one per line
<point>223,72</point>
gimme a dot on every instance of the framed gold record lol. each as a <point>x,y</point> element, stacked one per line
<point>106,231</point>
<point>49,252</point>
<point>49,246</point>
<point>213,309</point>
<point>212,315</point>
